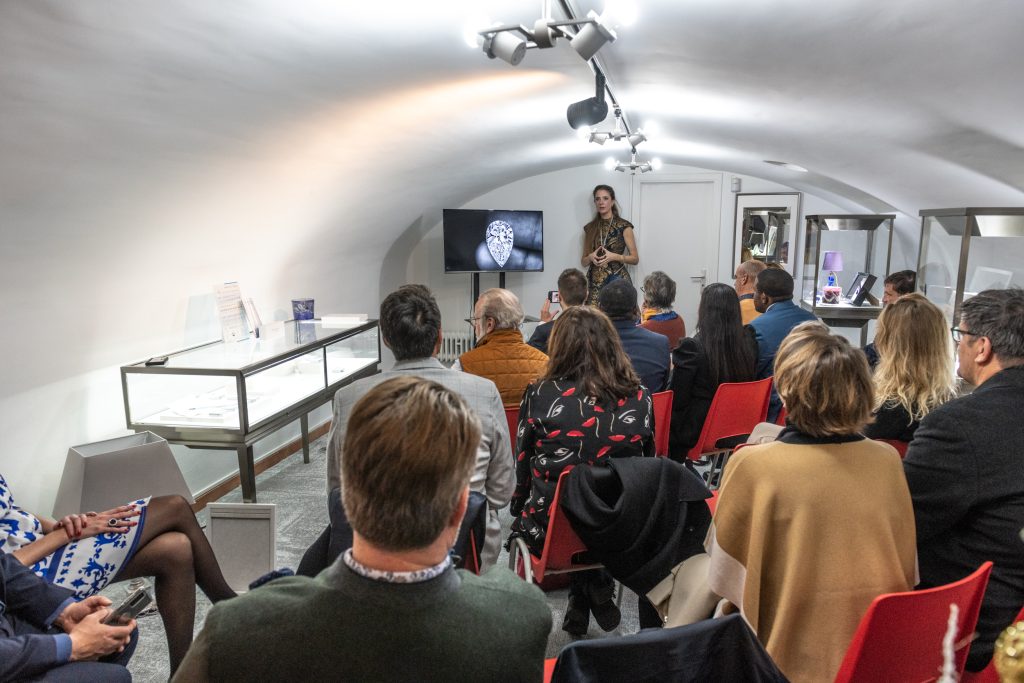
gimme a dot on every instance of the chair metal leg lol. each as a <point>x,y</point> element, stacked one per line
<point>519,559</point>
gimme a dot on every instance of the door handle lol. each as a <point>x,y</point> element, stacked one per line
<point>702,278</point>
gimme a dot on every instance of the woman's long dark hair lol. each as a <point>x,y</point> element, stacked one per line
<point>720,331</point>
<point>584,348</point>
<point>590,229</point>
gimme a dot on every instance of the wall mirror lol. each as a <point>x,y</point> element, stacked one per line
<point>764,228</point>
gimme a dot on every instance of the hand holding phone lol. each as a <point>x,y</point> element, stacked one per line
<point>130,608</point>
<point>553,296</point>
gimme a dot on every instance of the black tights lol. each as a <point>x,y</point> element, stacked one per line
<point>174,550</point>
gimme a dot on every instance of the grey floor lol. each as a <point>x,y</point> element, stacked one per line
<point>298,490</point>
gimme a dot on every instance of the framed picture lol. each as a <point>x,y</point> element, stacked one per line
<point>772,215</point>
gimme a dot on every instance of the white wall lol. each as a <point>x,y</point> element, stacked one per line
<point>564,197</point>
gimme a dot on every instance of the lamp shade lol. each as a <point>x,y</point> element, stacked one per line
<point>833,261</point>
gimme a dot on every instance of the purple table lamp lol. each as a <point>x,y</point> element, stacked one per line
<point>833,263</point>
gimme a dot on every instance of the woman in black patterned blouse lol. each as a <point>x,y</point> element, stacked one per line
<point>588,407</point>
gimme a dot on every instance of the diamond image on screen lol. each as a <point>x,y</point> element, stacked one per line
<point>493,240</point>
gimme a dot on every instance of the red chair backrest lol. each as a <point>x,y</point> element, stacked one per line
<point>512,416</point>
<point>561,543</point>
<point>781,419</point>
<point>900,636</point>
<point>989,673</point>
<point>662,420</point>
<point>900,446</point>
<point>736,409</point>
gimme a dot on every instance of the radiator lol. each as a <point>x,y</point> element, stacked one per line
<point>453,345</point>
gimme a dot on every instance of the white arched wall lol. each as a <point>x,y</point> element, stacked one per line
<point>564,197</point>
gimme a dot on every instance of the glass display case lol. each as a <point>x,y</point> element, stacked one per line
<point>232,394</point>
<point>964,251</point>
<point>846,260</point>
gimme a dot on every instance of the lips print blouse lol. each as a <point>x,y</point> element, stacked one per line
<point>560,427</point>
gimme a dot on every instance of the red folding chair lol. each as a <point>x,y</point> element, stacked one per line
<point>900,636</point>
<point>512,416</point>
<point>562,547</point>
<point>735,410</point>
<point>781,419</point>
<point>662,420</point>
<point>989,673</point>
<point>900,446</point>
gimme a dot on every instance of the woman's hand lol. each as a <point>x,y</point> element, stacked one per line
<point>117,520</point>
<point>73,524</point>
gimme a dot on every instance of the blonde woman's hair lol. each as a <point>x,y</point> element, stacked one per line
<point>915,367</point>
<point>824,382</point>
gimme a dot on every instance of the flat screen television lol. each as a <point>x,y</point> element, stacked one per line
<point>477,240</point>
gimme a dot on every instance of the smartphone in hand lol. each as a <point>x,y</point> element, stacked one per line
<point>129,609</point>
<point>553,296</point>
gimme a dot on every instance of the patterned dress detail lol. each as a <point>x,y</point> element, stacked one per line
<point>560,427</point>
<point>611,234</point>
<point>85,566</point>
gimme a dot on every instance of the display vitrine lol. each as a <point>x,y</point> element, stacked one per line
<point>763,228</point>
<point>968,250</point>
<point>231,394</point>
<point>846,258</point>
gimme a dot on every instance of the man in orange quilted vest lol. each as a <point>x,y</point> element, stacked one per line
<point>501,355</point>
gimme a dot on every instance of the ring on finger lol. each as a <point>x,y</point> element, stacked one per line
<point>111,522</point>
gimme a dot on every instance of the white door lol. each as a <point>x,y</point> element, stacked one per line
<point>678,221</point>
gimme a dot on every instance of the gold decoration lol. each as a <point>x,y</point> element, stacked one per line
<point>1009,654</point>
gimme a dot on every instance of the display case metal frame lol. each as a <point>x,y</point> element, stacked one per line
<point>776,203</point>
<point>970,229</point>
<point>843,315</point>
<point>241,440</point>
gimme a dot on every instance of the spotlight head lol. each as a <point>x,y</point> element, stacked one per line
<point>599,138</point>
<point>636,138</point>
<point>586,112</point>
<point>506,45</point>
<point>543,35</point>
<point>592,37</point>
<point>610,164</point>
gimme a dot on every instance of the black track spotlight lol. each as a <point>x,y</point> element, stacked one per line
<point>589,111</point>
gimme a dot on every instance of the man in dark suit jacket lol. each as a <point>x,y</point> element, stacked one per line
<point>773,299</point>
<point>46,635</point>
<point>648,350</point>
<point>965,467</point>
<point>572,291</point>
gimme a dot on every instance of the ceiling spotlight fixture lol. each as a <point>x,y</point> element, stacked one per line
<point>592,36</point>
<point>633,165</point>
<point>619,132</point>
<point>786,165</point>
<point>586,36</point>
<point>591,110</point>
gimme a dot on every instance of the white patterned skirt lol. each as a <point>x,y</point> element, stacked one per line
<point>88,565</point>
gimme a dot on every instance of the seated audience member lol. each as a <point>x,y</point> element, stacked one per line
<point>722,350</point>
<point>915,375</point>
<point>45,635</point>
<point>811,528</point>
<point>896,285</point>
<point>659,292</point>
<point>392,607</point>
<point>410,325</point>
<point>773,299</point>
<point>746,277</point>
<point>501,355</point>
<point>964,467</point>
<point>648,351</point>
<point>156,537</point>
<point>588,407</point>
<point>572,291</point>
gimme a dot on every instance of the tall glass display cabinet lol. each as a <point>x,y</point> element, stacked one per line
<point>965,251</point>
<point>846,258</point>
<point>228,395</point>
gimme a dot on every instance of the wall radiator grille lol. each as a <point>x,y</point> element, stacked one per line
<point>453,345</point>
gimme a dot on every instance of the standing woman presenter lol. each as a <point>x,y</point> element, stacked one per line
<point>608,244</point>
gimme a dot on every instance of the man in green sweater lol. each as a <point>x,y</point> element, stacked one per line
<point>392,608</point>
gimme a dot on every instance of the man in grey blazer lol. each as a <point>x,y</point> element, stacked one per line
<point>965,467</point>
<point>410,325</point>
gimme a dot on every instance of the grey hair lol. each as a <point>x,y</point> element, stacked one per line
<point>999,315</point>
<point>503,307</point>
<point>659,290</point>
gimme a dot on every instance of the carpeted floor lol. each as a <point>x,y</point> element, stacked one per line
<point>299,492</point>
